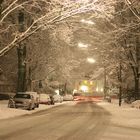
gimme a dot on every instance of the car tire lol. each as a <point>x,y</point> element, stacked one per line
<point>37,105</point>
<point>30,107</point>
<point>34,106</point>
<point>9,106</point>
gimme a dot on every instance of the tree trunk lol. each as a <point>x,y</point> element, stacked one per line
<point>21,50</point>
<point>105,81</point>
<point>136,88</point>
<point>120,87</point>
<point>65,88</point>
<point>29,80</point>
<point>0,7</point>
<point>137,68</point>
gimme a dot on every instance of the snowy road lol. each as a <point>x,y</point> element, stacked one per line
<point>81,121</point>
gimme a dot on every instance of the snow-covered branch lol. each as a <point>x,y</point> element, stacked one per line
<point>53,12</point>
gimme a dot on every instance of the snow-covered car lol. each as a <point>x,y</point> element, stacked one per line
<point>44,99</point>
<point>68,97</point>
<point>58,98</point>
<point>34,94</point>
<point>108,99</point>
<point>26,101</point>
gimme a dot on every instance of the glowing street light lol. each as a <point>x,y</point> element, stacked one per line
<point>84,88</point>
<point>97,89</point>
<point>90,22</point>
<point>91,60</point>
<point>81,45</point>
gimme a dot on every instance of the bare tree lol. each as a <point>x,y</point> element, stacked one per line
<point>45,14</point>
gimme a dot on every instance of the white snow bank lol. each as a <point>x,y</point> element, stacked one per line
<point>136,104</point>
<point>103,103</point>
<point>122,116</point>
<point>6,112</point>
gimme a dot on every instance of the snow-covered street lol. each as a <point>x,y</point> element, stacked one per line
<point>78,120</point>
<point>120,115</point>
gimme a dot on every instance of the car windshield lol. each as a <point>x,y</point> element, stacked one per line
<point>26,96</point>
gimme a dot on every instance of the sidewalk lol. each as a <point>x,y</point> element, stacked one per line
<point>6,112</point>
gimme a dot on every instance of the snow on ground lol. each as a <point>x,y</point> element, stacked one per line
<point>6,112</point>
<point>124,115</point>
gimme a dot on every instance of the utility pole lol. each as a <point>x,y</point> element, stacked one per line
<point>21,51</point>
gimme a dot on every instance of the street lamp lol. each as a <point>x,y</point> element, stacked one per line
<point>81,45</point>
<point>91,60</point>
<point>90,22</point>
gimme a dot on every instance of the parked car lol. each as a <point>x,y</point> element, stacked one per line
<point>58,98</point>
<point>26,101</point>
<point>77,96</point>
<point>108,99</point>
<point>68,97</point>
<point>34,94</point>
<point>44,99</point>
